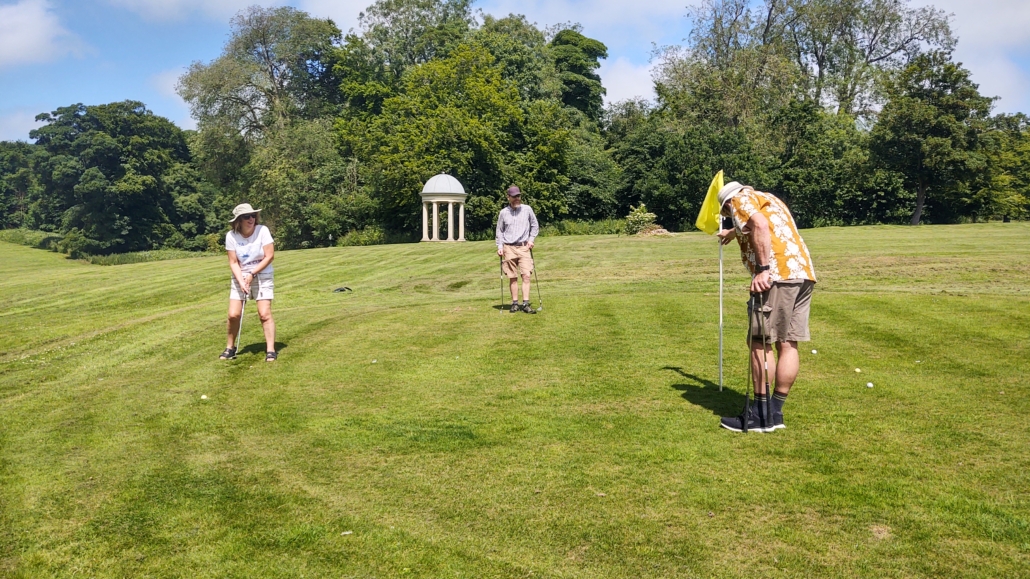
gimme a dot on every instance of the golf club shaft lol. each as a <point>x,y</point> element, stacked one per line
<point>536,281</point>
<point>501,258</point>
<point>239,330</point>
<point>750,373</point>
<point>765,360</point>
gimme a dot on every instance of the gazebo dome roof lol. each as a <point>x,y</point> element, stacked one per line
<point>443,183</point>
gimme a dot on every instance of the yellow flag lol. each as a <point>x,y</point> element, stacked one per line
<point>708,217</point>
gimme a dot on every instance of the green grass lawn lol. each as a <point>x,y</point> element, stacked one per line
<point>410,429</point>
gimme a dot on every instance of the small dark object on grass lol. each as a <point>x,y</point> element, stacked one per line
<point>342,289</point>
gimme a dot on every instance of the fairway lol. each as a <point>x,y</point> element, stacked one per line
<point>411,429</point>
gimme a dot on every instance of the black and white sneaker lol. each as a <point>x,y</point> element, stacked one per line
<point>527,308</point>
<point>515,308</point>
<point>754,423</point>
<point>777,422</point>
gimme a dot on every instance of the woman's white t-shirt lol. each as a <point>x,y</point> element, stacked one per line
<point>250,250</point>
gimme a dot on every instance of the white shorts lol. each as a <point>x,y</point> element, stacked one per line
<point>262,287</point>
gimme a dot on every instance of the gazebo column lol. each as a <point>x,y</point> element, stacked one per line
<point>461,221</point>
<point>436,221</point>
<point>450,221</point>
<point>425,222</point>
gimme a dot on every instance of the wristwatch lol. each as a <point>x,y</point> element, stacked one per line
<point>761,268</point>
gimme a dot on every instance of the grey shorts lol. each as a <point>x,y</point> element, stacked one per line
<point>785,309</point>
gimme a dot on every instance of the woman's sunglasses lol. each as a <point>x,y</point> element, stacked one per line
<point>249,216</point>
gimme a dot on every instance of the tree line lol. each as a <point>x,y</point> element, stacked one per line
<point>852,111</point>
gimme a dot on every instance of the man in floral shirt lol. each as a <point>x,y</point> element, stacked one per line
<point>783,279</point>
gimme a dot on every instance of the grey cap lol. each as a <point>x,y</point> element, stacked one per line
<point>514,191</point>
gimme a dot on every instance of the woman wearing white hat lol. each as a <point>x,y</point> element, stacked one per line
<point>251,252</point>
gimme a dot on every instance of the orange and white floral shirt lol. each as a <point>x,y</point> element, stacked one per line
<point>790,258</point>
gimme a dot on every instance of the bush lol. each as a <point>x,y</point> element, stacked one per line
<point>141,256</point>
<point>370,235</point>
<point>638,220</point>
<point>31,238</point>
<point>578,227</point>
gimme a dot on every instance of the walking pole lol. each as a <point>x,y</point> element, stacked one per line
<point>720,315</point>
<point>501,258</point>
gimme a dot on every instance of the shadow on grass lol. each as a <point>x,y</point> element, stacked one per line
<point>259,348</point>
<point>705,393</point>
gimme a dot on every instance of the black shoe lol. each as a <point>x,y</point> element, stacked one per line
<point>526,308</point>
<point>515,307</point>
<point>228,354</point>
<point>777,422</point>
<point>736,423</point>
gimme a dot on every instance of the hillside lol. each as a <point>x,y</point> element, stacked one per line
<point>409,428</point>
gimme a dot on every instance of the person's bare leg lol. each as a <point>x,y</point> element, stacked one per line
<point>235,309</point>
<point>525,288</point>
<point>513,285</point>
<point>758,365</point>
<point>787,366</point>
<point>267,323</point>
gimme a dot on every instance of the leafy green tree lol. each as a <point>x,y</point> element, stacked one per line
<point>824,173</point>
<point>520,50</point>
<point>19,181</point>
<point>395,36</point>
<point>275,68</point>
<point>458,115</point>
<point>105,181</point>
<point>577,59</point>
<point>931,132</point>
<point>307,191</point>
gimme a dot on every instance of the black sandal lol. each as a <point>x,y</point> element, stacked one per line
<point>271,356</point>
<point>228,354</point>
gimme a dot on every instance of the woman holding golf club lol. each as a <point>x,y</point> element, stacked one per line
<point>251,251</point>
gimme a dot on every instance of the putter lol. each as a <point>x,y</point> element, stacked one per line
<point>750,374</point>
<point>765,414</point>
<point>536,281</point>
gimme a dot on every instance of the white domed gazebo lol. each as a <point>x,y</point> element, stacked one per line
<point>443,189</point>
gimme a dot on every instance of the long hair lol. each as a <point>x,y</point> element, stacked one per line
<point>237,223</point>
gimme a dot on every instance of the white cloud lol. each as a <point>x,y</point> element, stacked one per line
<point>175,108</point>
<point>180,9</point>
<point>16,124</point>
<point>625,80</point>
<point>164,82</point>
<point>30,32</point>
<point>993,35</point>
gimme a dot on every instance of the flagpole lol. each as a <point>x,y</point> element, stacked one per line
<point>720,315</point>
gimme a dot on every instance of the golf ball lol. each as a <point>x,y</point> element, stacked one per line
<point>868,384</point>
<point>373,361</point>
<point>858,370</point>
<point>203,396</point>
<point>815,352</point>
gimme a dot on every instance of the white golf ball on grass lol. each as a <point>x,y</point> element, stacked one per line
<point>868,384</point>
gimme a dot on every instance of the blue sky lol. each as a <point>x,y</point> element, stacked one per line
<point>59,52</point>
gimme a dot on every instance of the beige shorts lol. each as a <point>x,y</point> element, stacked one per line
<point>262,287</point>
<point>785,310</point>
<point>517,260</point>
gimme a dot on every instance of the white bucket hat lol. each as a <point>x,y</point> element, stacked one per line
<point>242,209</point>
<point>728,191</point>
